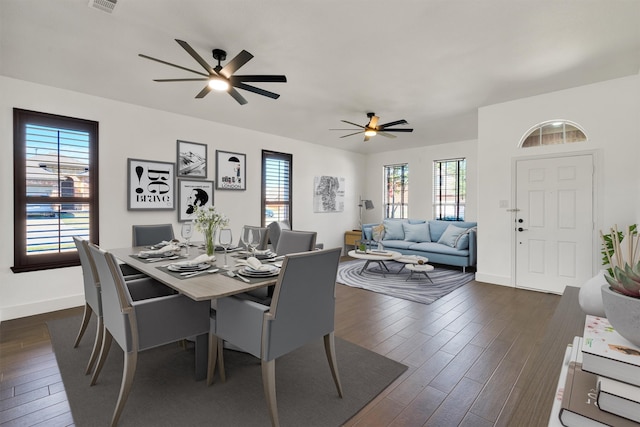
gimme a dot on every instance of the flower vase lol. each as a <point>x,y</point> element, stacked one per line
<point>209,240</point>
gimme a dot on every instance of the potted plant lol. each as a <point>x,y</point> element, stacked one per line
<point>621,294</point>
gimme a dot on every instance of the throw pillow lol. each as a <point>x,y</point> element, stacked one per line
<point>462,242</point>
<point>377,232</point>
<point>416,232</point>
<point>450,235</point>
<point>393,230</point>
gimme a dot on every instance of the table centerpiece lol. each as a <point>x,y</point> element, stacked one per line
<point>207,221</point>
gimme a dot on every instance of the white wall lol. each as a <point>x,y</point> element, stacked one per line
<point>129,131</point>
<point>609,112</point>
<point>420,161</point>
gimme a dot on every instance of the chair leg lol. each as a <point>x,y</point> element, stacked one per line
<point>330,350</point>
<point>130,363</point>
<point>104,351</point>
<point>85,321</point>
<point>96,345</point>
<point>215,356</point>
<point>269,385</point>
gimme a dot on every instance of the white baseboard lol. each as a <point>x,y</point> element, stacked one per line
<point>8,313</point>
<point>494,280</point>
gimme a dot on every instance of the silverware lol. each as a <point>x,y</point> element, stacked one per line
<point>162,259</point>
<point>233,274</point>
<point>213,270</point>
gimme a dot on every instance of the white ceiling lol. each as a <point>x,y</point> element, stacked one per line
<point>431,62</point>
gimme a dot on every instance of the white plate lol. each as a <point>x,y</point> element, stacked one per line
<point>266,268</point>
<point>244,272</point>
<point>185,268</point>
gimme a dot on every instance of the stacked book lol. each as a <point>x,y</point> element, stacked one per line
<point>600,380</point>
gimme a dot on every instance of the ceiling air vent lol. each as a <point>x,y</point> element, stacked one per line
<point>103,5</point>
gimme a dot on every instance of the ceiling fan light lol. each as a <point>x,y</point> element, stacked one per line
<point>370,132</point>
<point>219,84</point>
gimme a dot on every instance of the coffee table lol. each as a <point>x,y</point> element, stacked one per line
<point>419,269</point>
<point>411,259</point>
<point>377,257</point>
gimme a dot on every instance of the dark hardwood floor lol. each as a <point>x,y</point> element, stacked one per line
<point>465,352</point>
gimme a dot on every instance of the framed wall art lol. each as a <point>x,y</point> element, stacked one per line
<point>328,194</point>
<point>191,159</point>
<point>150,185</point>
<point>230,171</point>
<point>192,194</point>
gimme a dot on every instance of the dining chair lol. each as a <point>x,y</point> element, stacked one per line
<point>141,325</point>
<point>264,237</point>
<point>145,235</point>
<point>302,310</point>
<point>275,228</point>
<point>291,241</point>
<point>140,287</point>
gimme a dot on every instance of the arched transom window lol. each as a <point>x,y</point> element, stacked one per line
<point>553,132</point>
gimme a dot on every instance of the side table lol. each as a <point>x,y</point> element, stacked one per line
<point>350,238</point>
<point>419,269</point>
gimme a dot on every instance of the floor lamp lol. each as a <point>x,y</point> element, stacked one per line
<point>367,204</point>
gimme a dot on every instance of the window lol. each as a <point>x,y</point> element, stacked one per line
<point>276,187</point>
<point>396,178</point>
<point>55,188</point>
<point>449,189</point>
<point>552,132</point>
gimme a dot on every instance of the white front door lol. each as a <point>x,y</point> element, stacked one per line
<point>554,222</point>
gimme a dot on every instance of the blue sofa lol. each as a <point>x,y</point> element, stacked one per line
<point>443,242</point>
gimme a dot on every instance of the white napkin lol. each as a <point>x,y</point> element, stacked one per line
<point>255,264</point>
<point>161,251</point>
<point>196,261</point>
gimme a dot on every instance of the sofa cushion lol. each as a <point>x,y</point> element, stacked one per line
<point>436,248</point>
<point>393,230</point>
<point>396,244</point>
<point>417,221</point>
<point>377,232</point>
<point>416,232</point>
<point>451,235</point>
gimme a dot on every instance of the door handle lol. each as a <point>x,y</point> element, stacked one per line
<point>522,229</point>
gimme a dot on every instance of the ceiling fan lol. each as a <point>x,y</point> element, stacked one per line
<point>221,78</point>
<point>373,128</point>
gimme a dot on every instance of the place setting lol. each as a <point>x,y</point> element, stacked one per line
<point>253,267</point>
<point>190,268</point>
<point>162,251</point>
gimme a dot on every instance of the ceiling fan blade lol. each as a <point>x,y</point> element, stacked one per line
<point>351,134</point>
<point>259,78</point>
<point>195,56</point>
<point>257,90</point>
<point>204,92</point>
<point>238,61</point>
<point>397,122</point>
<point>236,95</point>
<point>351,123</point>
<point>388,135</point>
<point>180,80</point>
<point>397,130</point>
<point>172,65</point>
<point>373,122</point>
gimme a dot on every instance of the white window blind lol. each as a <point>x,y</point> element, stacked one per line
<point>449,189</point>
<point>276,187</point>
<point>396,178</point>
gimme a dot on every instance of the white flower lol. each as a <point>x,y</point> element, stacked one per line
<point>207,219</point>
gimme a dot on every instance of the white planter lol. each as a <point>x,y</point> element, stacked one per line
<point>590,295</point>
<point>623,313</point>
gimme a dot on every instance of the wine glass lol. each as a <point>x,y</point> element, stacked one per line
<point>255,239</point>
<point>245,238</point>
<point>187,232</point>
<point>225,238</point>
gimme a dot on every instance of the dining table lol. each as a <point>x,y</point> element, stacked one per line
<point>204,286</point>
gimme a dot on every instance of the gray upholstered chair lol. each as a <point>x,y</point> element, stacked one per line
<point>302,310</point>
<point>141,325</point>
<point>291,241</point>
<point>275,228</point>
<point>139,289</point>
<point>145,235</point>
<point>264,237</point>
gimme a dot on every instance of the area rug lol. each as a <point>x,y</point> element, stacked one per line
<point>165,393</point>
<point>395,284</point>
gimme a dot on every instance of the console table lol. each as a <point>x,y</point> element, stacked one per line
<point>350,238</point>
